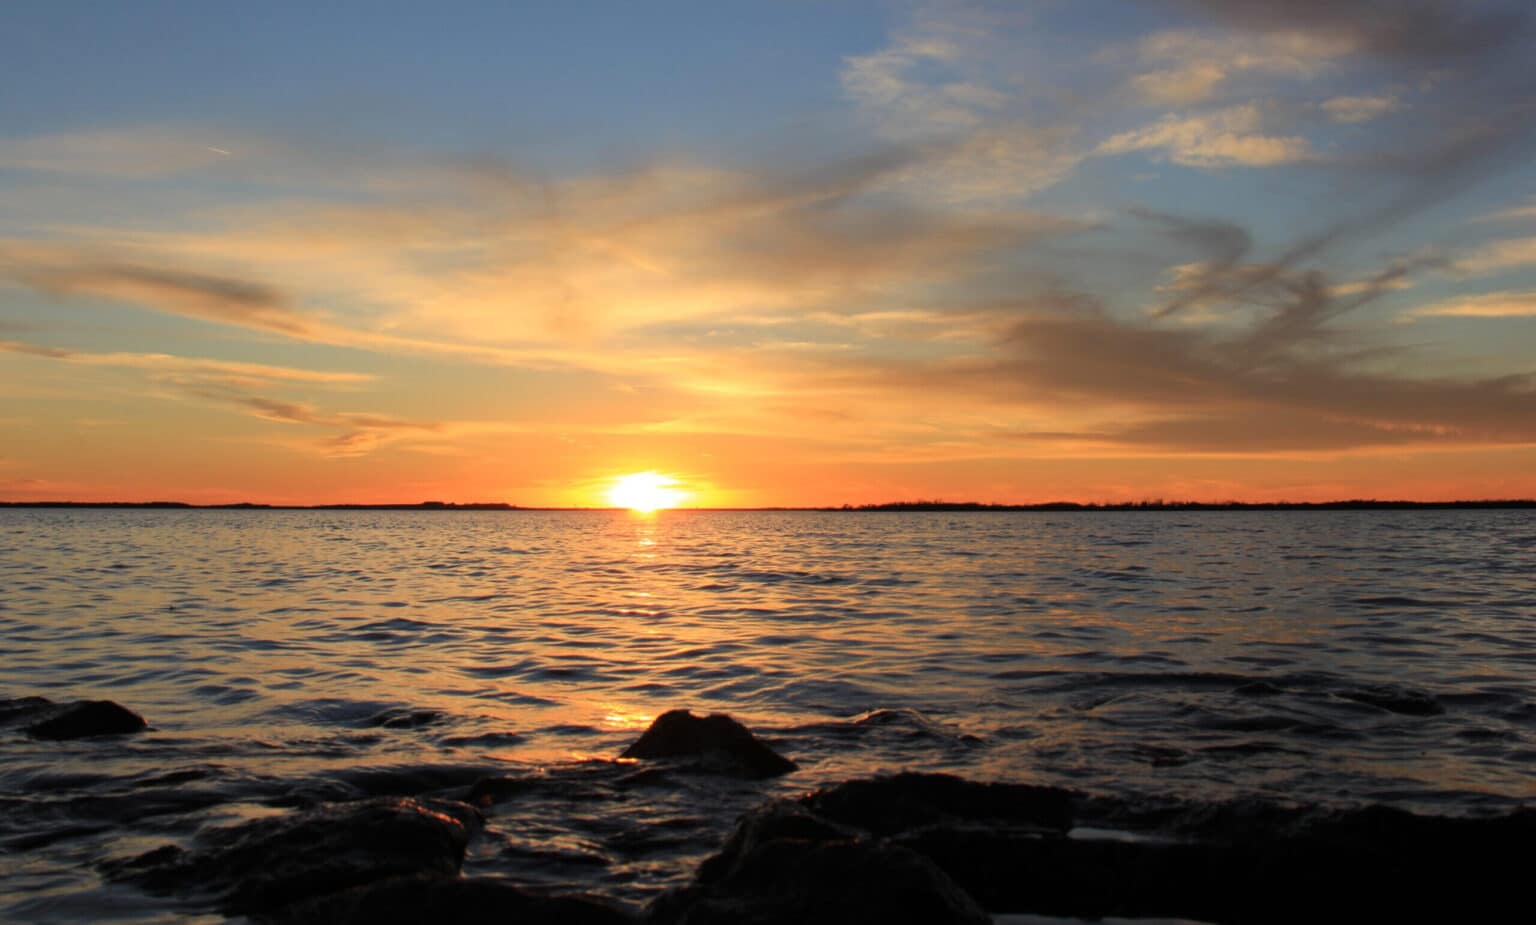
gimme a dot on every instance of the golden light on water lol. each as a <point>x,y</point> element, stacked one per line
<point>645,492</point>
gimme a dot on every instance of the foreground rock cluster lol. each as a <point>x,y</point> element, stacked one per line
<point>924,849</point>
<point>41,718</point>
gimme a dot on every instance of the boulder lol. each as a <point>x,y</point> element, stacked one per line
<point>888,805</point>
<point>24,710</point>
<point>86,718</point>
<point>414,900</point>
<point>714,743</point>
<point>1248,866</point>
<point>263,865</point>
<point>795,881</point>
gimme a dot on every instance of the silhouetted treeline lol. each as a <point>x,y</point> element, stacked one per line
<point>249,506</point>
<point>1362,504</point>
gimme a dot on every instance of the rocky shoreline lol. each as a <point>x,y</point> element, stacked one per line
<point>905,848</point>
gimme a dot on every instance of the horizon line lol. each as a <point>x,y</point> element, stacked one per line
<point>888,506</point>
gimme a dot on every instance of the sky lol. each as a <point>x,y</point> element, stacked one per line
<point>812,252</point>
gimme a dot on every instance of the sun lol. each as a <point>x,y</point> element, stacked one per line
<point>645,492</point>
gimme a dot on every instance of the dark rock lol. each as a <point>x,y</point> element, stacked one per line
<point>413,900</point>
<point>792,881</point>
<point>86,718</point>
<point>717,741</point>
<point>776,820</point>
<point>488,791</point>
<point>1374,864</point>
<point>887,805</point>
<point>24,710</point>
<point>263,865</point>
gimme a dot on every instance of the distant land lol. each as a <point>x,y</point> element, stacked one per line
<point>1360,504</point>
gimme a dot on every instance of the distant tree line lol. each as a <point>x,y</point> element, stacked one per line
<point>1358,504</point>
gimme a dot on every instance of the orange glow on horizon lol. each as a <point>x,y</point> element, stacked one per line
<point>645,492</point>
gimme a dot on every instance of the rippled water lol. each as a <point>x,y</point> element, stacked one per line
<point>284,657</point>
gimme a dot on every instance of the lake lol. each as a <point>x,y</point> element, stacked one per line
<point>288,657</point>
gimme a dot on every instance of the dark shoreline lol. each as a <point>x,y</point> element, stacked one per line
<point>1053,507</point>
<point>905,848</point>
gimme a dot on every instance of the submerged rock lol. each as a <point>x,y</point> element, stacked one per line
<point>784,880</point>
<point>888,805</point>
<point>23,709</point>
<point>717,741</point>
<point>84,719</point>
<point>413,900</point>
<point>935,848</point>
<point>266,864</point>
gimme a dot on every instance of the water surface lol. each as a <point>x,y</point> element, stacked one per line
<point>284,657</point>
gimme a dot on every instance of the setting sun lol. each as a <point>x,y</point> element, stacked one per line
<point>645,491</point>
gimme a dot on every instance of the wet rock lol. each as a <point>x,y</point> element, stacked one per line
<point>716,743</point>
<point>23,710</point>
<point>85,719</point>
<point>800,881</point>
<point>778,819</point>
<point>263,865</point>
<point>488,791</point>
<point>887,805</point>
<point>1250,865</point>
<point>413,900</point>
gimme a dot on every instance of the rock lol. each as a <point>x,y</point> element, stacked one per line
<point>86,718</point>
<point>887,805</point>
<point>796,881</point>
<point>263,865</point>
<point>718,741</point>
<point>778,819</point>
<point>1373,864</point>
<point>413,900</point>
<point>23,709</point>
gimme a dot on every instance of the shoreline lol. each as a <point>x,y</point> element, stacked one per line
<point>906,848</point>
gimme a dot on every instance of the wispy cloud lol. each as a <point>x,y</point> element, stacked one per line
<point>1232,137</point>
<point>1282,385</point>
<point>1499,255</point>
<point>947,82</point>
<point>1353,110</point>
<point>181,364</point>
<point>1415,30</point>
<point>70,270</point>
<point>1506,304</point>
<point>1515,213</point>
<point>139,152</point>
<point>1186,67</point>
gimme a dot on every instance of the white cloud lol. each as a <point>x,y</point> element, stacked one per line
<point>1224,138</point>
<point>1190,66</point>
<point>1500,255</point>
<point>1192,83</point>
<point>948,84</point>
<point>1352,110</point>
<point>1505,304</point>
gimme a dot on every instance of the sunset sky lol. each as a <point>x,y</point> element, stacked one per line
<point>783,253</point>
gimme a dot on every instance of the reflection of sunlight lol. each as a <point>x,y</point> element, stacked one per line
<point>645,492</point>
<point>621,719</point>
